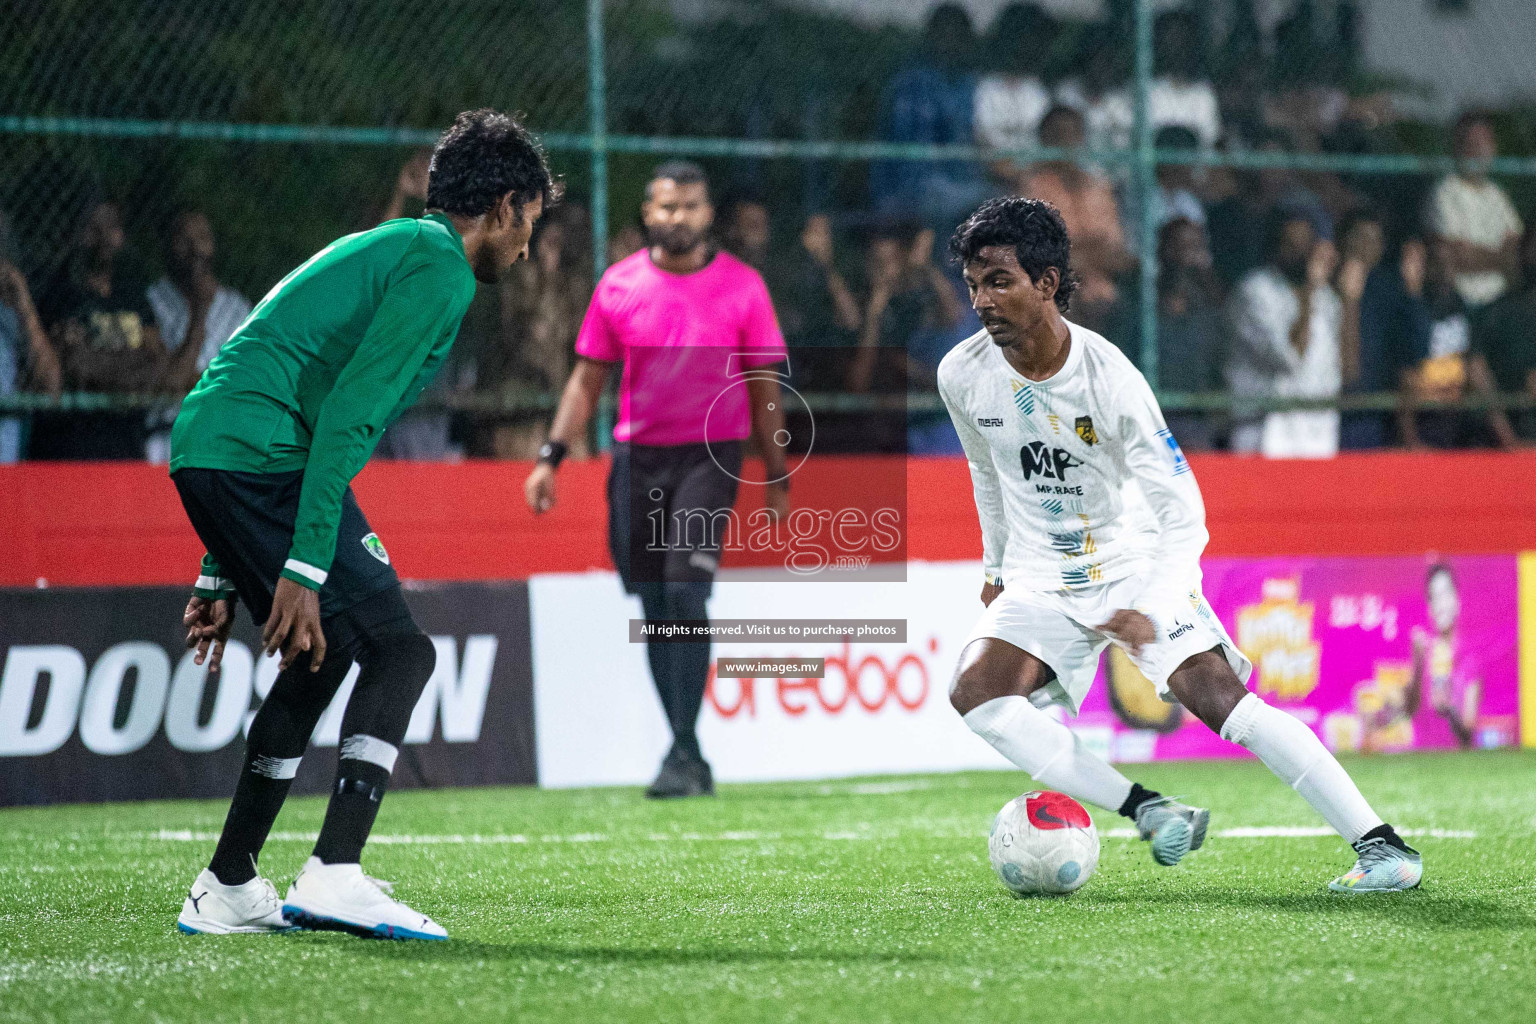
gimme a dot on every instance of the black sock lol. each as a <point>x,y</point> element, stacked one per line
<point>1387,832</point>
<point>279,734</point>
<point>688,666</point>
<point>658,653</point>
<point>1138,796</point>
<point>360,786</point>
<point>395,669</point>
<point>690,674</point>
<point>251,813</point>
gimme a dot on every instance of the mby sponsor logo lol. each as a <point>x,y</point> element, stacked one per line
<point>132,692</point>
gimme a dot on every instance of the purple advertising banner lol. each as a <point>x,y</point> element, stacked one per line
<point>1375,654</point>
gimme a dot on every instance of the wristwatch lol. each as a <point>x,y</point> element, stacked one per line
<point>553,453</point>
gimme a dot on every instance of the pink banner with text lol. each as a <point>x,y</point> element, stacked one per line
<point>1375,654</point>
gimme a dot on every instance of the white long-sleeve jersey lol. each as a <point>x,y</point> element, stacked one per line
<point>1078,480</point>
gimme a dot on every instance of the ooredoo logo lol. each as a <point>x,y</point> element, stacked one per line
<point>873,682</point>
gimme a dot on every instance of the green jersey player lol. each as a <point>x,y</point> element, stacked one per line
<point>263,454</point>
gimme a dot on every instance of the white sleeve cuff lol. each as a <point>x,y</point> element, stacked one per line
<point>306,570</point>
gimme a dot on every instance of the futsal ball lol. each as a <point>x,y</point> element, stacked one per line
<point>1043,843</point>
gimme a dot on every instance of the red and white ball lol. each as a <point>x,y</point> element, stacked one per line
<point>1043,843</point>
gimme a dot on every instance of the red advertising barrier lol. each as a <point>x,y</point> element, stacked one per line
<point>121,523</point>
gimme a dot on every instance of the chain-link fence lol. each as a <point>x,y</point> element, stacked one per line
<point>301,107</point>
<point>290,123</point>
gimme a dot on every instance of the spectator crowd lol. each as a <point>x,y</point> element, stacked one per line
<point>1272,283</point>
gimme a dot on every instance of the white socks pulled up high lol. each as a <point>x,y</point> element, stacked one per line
<point>1048,751</point>
<point>1295,754</point>
<point>1055,758</point>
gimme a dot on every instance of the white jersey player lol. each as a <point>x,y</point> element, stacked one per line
<point>1092,530</point>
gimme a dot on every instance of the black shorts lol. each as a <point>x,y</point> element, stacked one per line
<point>246,521</point>
<point>667,509</point>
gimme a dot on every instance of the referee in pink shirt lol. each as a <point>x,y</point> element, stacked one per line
<point>684,321</point>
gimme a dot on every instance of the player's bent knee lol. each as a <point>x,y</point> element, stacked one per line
<point>1208,687</point>
<point>968,691</point>
<point>991,668</point>
<point>395,670</point>
<point>409,657</point>
<point>972,682</point>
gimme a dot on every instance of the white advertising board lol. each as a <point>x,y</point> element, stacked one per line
<point>881,707</point>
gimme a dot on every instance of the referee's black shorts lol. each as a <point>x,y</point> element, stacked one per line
<point>246,522</point>
<point>667,509</point>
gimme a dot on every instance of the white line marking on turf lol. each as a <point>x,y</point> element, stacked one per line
<point>1263,832</point>
<point>876,788</point>
<point>1301,832</point>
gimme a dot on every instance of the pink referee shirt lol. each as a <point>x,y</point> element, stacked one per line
<point>685,340</point>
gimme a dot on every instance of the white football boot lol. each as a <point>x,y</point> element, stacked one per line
<point>1173,828</point>
<point>339,897</point>
<point>1381,867</point>
<point>213,908</point>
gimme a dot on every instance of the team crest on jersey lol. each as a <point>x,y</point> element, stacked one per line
<point>375,547</point>
<point>1086,432</point>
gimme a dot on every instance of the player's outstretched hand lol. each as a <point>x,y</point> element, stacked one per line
<point>989,592</point>
<point>539,488</point>
<point>294,625</point>
<point>1131,628</point>
<point>208,624</point>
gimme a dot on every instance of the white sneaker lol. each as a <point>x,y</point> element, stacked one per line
<point>213,908</point>
<point>341,897</point>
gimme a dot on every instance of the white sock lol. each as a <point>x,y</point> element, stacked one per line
<point>1295,754</point>
<point>1049,751</point>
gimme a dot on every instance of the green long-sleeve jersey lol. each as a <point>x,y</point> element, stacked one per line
<point>333,354</point>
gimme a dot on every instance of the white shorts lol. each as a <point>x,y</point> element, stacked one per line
<point>1058,628</point>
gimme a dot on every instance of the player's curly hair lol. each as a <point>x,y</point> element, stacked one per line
<point>1032,227</point>
<point>485,155</point>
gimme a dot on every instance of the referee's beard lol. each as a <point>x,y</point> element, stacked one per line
<point>678,240</point>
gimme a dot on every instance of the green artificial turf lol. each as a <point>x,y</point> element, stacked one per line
<point>860,900</point>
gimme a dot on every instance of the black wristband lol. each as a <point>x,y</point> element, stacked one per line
<point>553,453</point>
